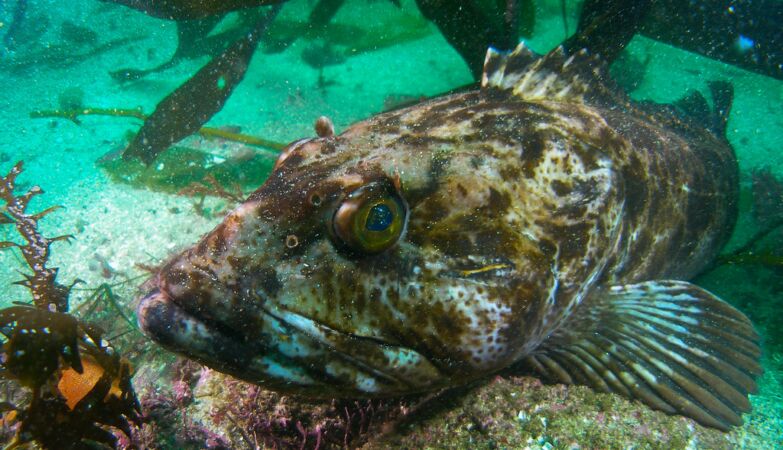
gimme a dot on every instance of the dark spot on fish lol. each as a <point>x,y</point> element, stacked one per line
<point>533,147</point>
<point>635,184</point>
<point>451,244</point>
<point>293,160</point>
<point>419,141</point>
<point>499,202</point>
<point>576,239</point>
<point>572,211</point>
<point>560,188</point>
<point>462,115</point>
<point>509,173</point>
<point>238,264</point>
<point>177,277</point>
<point>328,147</point>
<point>700,218</point>
<point>268,282</point>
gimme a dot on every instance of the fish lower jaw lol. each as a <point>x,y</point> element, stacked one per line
<point>170,325</point>
<point>173,327</point>
<point>290,353</point>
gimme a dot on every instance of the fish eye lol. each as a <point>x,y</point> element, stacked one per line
<point>371,219</point>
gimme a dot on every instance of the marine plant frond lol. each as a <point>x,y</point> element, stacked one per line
<point>209,185</point>
<point>103,295</point>
<point>767,197</point>
<point>43,285</point>
<point>80,386</point>
<point>767,191</point>
<point>207,132</point>
<point>191,105</point>
<point>74,114</point>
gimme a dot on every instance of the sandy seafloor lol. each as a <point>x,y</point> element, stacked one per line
<point>279,99</point>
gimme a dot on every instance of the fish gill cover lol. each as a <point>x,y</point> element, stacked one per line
<point>439,197</point>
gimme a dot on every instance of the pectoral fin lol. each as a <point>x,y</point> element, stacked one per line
<point>670,344</point>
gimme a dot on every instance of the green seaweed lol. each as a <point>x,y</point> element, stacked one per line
<point>180,167</point>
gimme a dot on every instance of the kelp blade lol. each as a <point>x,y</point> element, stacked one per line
<point>191,105</point>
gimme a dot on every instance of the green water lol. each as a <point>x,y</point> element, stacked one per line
<point>64,52</point>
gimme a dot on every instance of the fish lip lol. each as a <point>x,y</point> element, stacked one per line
<point>155,314</point>
<point>176,328</point>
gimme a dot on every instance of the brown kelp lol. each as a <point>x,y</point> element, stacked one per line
<point>767,211</point>
<point>744,33</point>
<point>79,386</point>
<point>195,38</point>
<point>58,55</point>
<point>472,26</point>
<point>182,165</point>
<point>188,9</point>
<point>10,37</point>
<point>46,291</point>
<point>186,109</point>
<point>73,115</point>
<point>386,31</point>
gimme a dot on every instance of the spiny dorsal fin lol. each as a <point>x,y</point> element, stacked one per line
<point>576,78</point>
<point>669,344</point>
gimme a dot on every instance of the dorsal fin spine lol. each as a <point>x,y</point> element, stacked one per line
<point>556,76</point>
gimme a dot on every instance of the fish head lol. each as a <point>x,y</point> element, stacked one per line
<point>368,264</point>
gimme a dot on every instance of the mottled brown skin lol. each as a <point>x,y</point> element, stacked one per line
<point>518,210</point>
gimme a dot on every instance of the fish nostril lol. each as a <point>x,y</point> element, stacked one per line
<point>315,199</point>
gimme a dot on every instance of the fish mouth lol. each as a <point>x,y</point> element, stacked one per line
<point>172,326</point>
<point>288,352</point>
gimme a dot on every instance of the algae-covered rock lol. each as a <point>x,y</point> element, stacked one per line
<point>521,412</point>
<point>189,406</point>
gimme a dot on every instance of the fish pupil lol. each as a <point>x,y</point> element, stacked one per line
<point>379,218</point>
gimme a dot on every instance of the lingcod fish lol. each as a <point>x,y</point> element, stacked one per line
<point>543,221</point>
